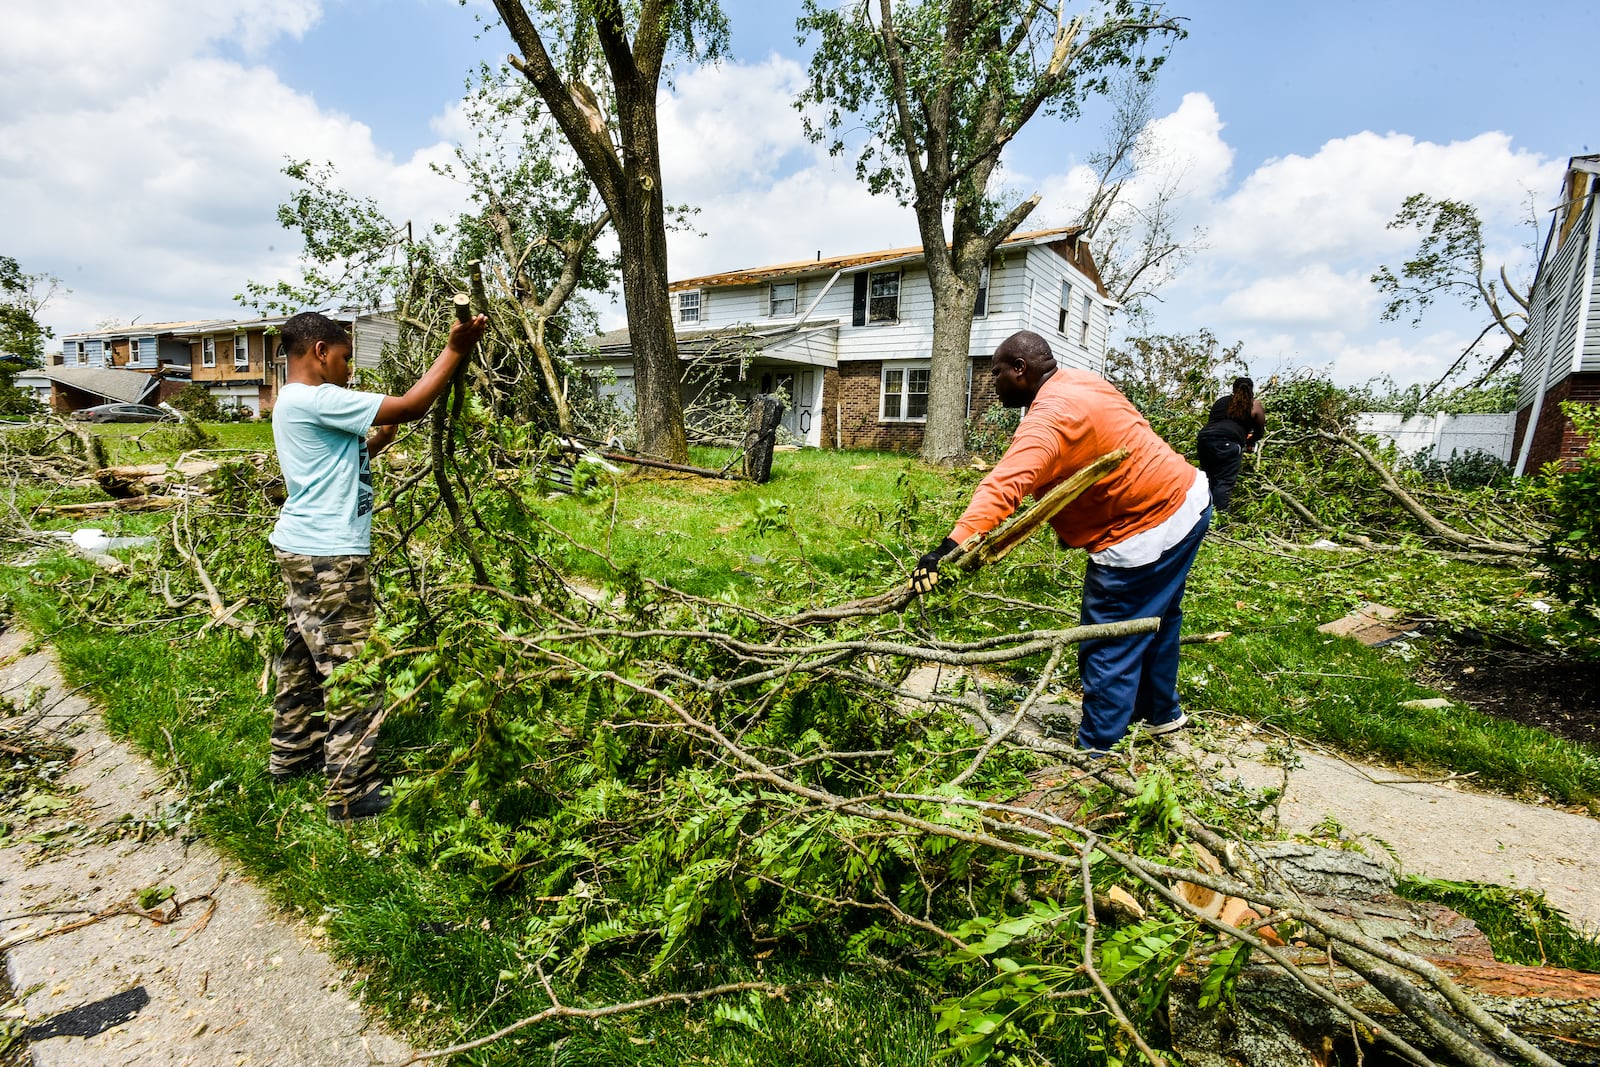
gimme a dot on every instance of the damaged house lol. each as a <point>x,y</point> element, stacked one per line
<point>848,339</point>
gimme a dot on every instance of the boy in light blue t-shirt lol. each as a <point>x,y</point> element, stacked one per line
<point>322,540</point>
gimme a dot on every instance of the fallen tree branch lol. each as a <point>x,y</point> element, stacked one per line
<point>980,551</point>
<point>1429,521</point>
<point>562,1011</point>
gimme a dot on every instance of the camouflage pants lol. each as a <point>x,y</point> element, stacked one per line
<point>331,611</point>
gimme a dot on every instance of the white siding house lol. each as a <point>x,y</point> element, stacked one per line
<point>850,337</point>
<point>1561,347</point>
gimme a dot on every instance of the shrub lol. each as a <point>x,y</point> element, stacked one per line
<point>990,433</point>
<point>1310,402</point>
<point>1472,469</point>
<point>196,401</point>
<point>1572,551</point>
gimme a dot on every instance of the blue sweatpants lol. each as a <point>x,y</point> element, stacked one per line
<point>1134,679</point>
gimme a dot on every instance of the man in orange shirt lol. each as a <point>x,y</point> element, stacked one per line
<point>1141,525</point>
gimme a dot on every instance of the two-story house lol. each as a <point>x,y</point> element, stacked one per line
<point>238,361</point>
<point>849,338</point>
<point>137,363</point>
<point>1561,346</point>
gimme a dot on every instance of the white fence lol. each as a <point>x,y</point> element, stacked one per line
<point>1442,434</point>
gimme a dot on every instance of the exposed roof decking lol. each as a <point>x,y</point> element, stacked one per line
<point>142,329</point>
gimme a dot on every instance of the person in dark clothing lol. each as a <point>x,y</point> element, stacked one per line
<point>1237,422</point>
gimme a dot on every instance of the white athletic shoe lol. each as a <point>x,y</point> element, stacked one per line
<point>1157,729</point>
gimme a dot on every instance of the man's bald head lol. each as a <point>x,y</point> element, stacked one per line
<point>1019,366</point>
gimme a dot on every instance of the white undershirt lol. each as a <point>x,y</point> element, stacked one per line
<point>1147,546</point>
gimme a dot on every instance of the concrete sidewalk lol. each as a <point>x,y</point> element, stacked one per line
<point>227,980</point>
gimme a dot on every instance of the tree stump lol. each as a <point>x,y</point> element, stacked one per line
<point>760,435</point>
<point>1275,1021</point>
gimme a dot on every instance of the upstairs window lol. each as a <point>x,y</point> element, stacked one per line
<point>904,396</point>
<point>241,351</point>
<point>980,306</point>
<point>689,306</point>
<point>208,352</point>
<point>82,353</point>
<point>1083,327</point>
<point>782,298</point>
<point>884,303</point>
<point>1066,307</point>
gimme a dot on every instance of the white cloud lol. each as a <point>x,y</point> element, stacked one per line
<point>1290,250</point>
<point>1313,295</point>
<point>89,53</point>
<point>1338,202</point>
<point>146,172</point>
<point>733,146</point>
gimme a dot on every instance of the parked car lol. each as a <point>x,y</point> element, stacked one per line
<point>124,413</point>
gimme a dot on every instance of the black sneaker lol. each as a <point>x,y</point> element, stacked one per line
<point>374,803</point>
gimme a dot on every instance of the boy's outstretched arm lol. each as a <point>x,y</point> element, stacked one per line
<point>434,381</point>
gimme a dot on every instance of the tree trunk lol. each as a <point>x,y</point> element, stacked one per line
<point>656,373</point>
<point>1275,1021</point>
<point>640,222</point>
<point>944,439</point>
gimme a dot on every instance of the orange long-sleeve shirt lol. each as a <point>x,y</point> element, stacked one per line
<point>1076,418</point>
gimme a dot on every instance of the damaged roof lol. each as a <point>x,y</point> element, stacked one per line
<point>139,328</point>
<point>708,341</point>
<point>124,386</point>
<point>798,268</point>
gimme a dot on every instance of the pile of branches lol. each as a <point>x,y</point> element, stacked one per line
<point>1313,478</point>
<point>648,769</point>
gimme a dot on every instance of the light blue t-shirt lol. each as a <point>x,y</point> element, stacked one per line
<point>321,434</point>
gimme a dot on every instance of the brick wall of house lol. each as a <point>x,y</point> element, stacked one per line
<point>855,387</point>
<point>1553,438</point>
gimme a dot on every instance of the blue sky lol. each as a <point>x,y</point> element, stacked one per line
<point>142,167</point>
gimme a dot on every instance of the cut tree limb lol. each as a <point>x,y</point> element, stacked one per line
<point>981,550</point>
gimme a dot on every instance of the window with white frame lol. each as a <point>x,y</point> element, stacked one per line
<point>82,353</point>
<point>689,306</point>
<point>1066,307</point>
<point>904,393</point>
<point>782,298</point>
<point>241,351</point>
<point>1083,327</point>
<point>208,352</point>
<point>980,306</point>
<point>883,305</point>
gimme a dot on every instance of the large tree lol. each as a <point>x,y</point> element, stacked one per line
<point>22,297</point>
<point>617,141</point>
<point>1450,261</point>
<point>942,86</point>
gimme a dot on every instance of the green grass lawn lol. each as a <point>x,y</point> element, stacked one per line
<point>829,526</point>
